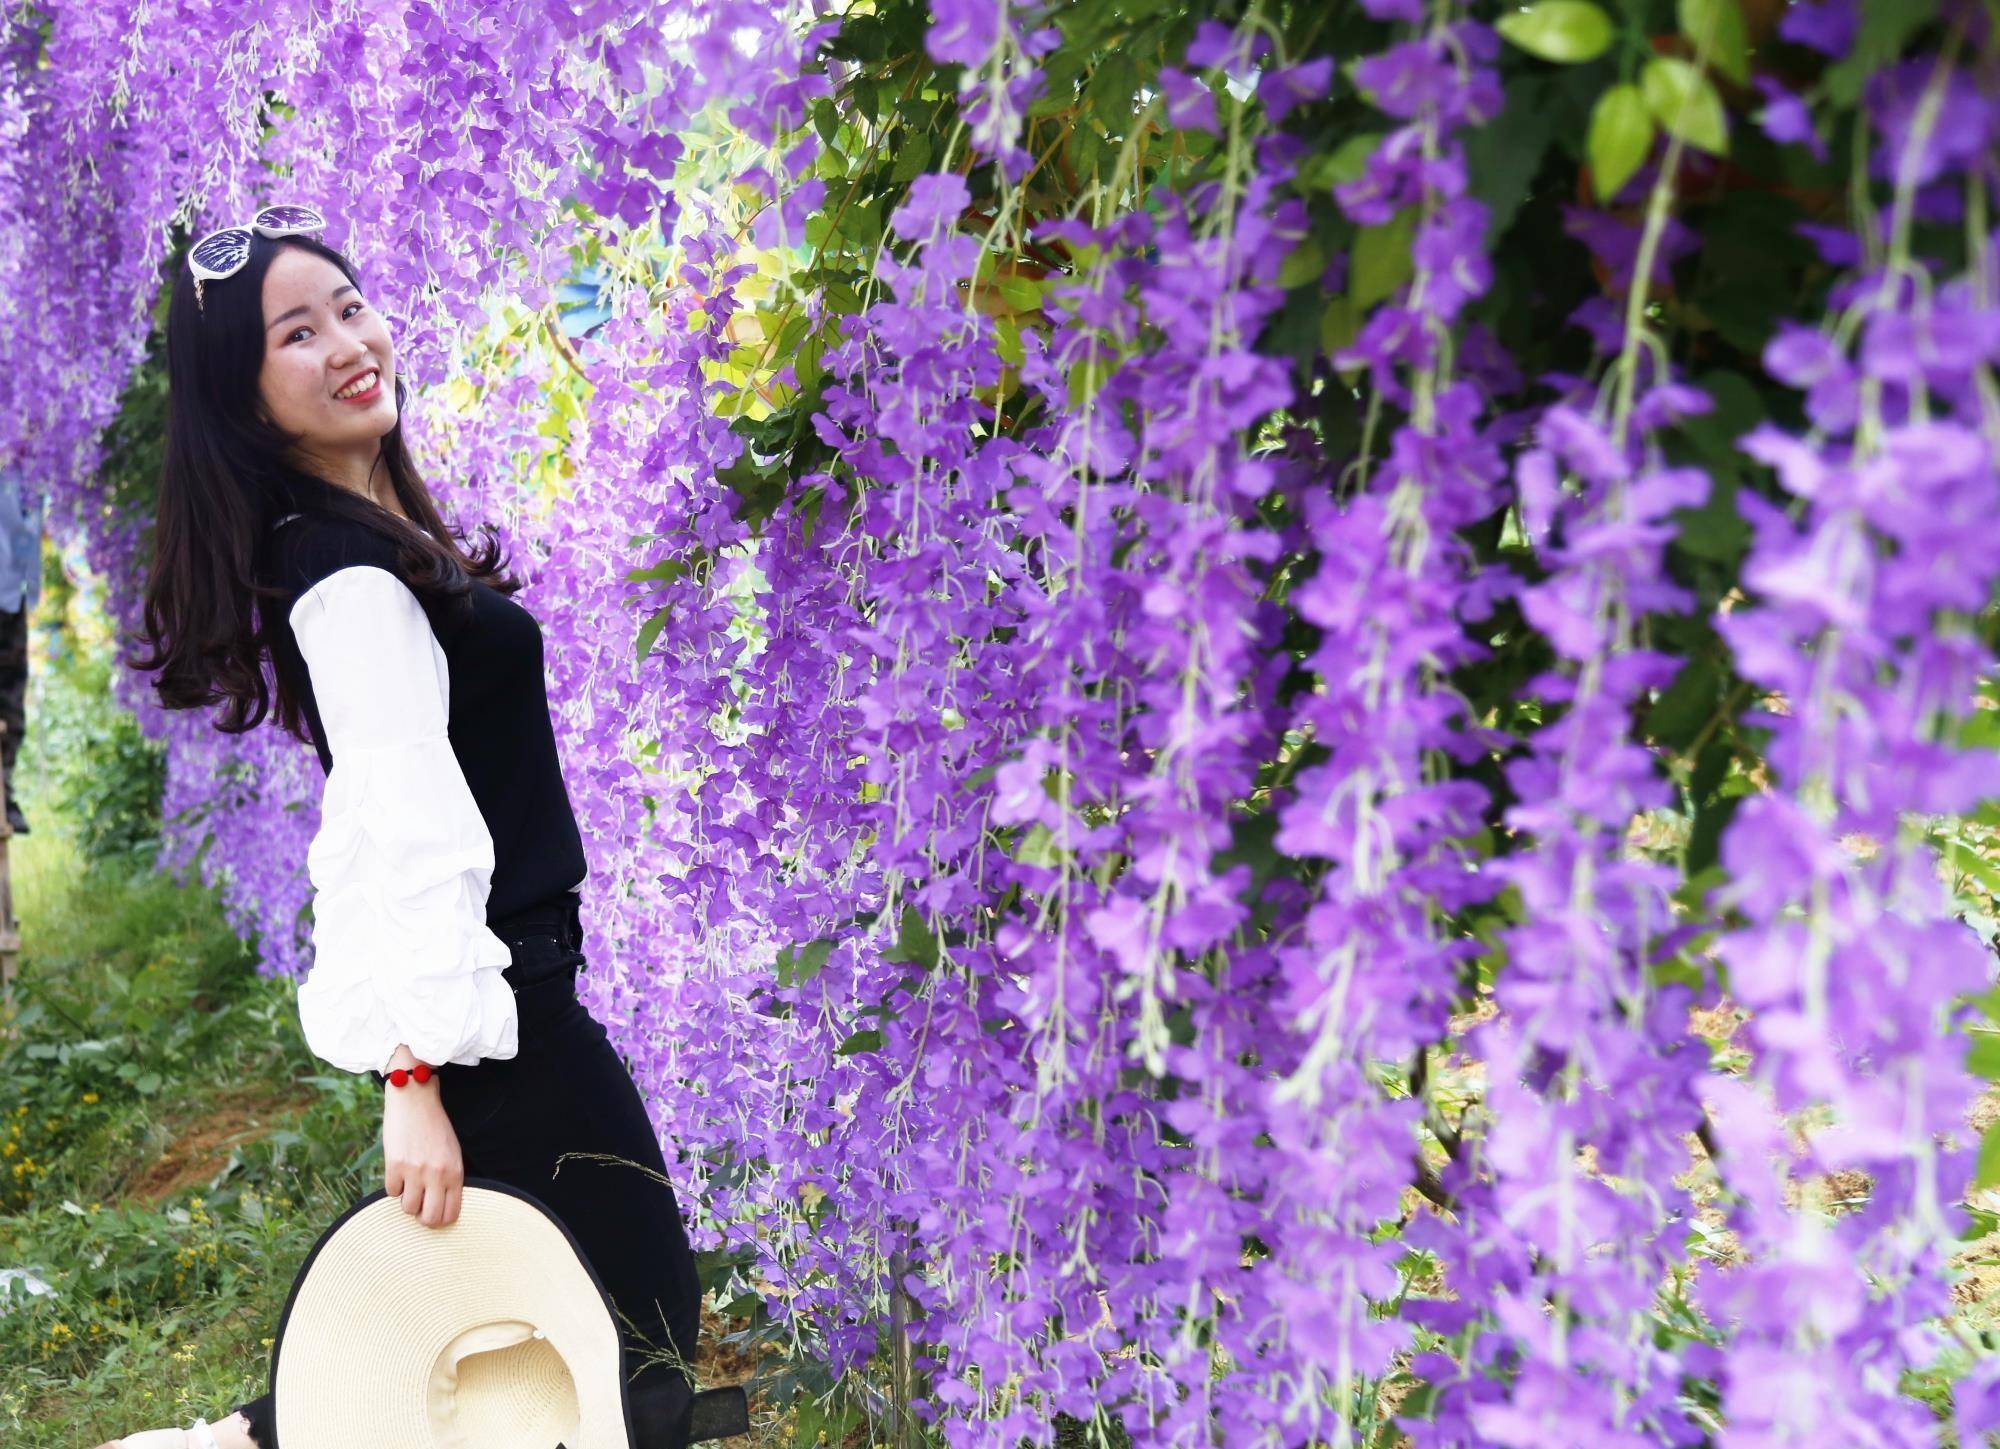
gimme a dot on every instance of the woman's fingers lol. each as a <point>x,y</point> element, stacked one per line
<point>414,1186</point>
<point>434,1198</point>
<point>422,1165</point>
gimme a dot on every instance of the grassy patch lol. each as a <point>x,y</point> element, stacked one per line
<point>164,1163</point>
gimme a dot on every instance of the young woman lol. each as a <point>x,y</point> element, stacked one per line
<point>447,866</point>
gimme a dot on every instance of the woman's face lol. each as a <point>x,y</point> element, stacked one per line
<point>320,337</point>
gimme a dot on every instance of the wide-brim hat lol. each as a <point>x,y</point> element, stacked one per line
<point>493,1332</point>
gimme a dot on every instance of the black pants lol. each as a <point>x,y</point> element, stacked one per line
<point>568,1091</point>
<point>13,685</point>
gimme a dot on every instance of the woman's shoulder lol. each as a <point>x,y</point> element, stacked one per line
<point>308,547</point>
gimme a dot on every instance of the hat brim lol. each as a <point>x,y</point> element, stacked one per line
<point>349,1348</point>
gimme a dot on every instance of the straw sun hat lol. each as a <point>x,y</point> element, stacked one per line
<point>491,1333</point>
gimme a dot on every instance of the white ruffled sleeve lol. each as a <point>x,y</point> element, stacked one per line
<point>403,862</point>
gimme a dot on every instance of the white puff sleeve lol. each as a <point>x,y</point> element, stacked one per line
<point>403,862</point>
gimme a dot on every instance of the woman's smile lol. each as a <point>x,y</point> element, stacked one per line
<point>369,383</point>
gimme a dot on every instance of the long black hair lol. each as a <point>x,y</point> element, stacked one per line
<point>211,603</point>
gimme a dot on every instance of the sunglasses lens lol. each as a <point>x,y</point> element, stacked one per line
<point>222,252</point>
<point>289,218</point>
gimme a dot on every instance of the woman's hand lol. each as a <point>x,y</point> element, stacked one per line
<point>421,1162</point>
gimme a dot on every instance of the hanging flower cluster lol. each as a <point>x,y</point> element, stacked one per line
<point>1375,971</point>
<point>1861,625</point>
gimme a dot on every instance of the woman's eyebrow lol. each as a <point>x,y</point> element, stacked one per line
<point>301,311</point>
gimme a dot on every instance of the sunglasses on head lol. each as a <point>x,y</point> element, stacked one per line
<point>222,253</point>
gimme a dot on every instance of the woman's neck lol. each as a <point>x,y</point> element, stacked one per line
<point>357,474</point>
<point>385,500</point>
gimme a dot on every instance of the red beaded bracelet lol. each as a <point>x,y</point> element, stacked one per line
<point>423,1072</point>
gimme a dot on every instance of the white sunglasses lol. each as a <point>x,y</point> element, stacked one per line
<point>222,253</point>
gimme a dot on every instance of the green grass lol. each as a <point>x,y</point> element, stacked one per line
<point>164,1163</point>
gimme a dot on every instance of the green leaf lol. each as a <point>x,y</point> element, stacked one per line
<point>650,630</point>
<point>1984,1058</point>
<point>914,941</point>
<point>794,966</point>
<point>1023,294</point>
<point>1988,1174</point>
<point>867,93</point>
<point>1677,971</point>
<point>1704,844</point>
<point>1684,706</point>
<point>1962,858</point>
<point>1684,102</point>
<point>1307,261</point>
<point>1382,260</point>
<point>1718,26</point>
<point>1564,31</point>
<point>1750,258</point>
<point>1738,408</point>
<point>868,1039</point>
<point>1038,847</point>
<point>665,571</point>
<point>1987,1002</point>
<point>1621,133</point>
<point>1979,1223</point>
<point>1504,156</point>
<point>1338,325</point>
<point>1711,767</point>
<point>1350,158</point>
<point>1007,341</point>
<point>1980,730</point>
<point>1324,170</point>
<point>913,157</point>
